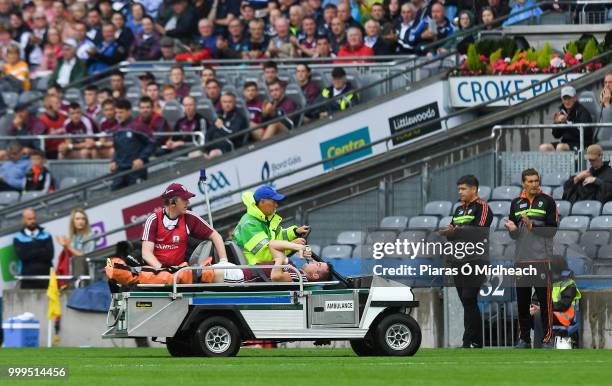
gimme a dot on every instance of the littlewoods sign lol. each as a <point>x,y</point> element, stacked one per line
<point>469,91</point>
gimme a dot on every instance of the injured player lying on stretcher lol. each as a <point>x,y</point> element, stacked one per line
<point>118,270</point>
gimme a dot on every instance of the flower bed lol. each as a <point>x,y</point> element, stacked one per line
<point>544,61</point>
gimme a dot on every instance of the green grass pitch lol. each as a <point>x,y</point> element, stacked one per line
<point>323,366</point>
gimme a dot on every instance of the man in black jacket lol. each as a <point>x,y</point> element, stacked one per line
<point>594,183</point>
<point>533,222</point>
<point>34,248</point>
<point>470,224</point>
<point>570,111</point>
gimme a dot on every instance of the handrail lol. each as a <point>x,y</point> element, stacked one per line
<point>565,126</point>
<point>175,285</point>
<point>201,64</point>
<point>197,137</point>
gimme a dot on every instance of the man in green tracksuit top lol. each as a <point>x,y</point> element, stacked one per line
<point>260,225</point>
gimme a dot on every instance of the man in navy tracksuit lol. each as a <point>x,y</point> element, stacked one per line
<point>34,247</point>
<point>133,144</point>
<point>533,222</point>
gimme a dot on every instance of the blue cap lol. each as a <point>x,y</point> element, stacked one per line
<point>268,192</point>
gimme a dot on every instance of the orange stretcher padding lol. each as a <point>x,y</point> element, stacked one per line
<point>116,269</point>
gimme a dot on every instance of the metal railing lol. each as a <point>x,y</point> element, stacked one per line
<point>197,137</point>
<point>77,279</point>
<point>580,126</point>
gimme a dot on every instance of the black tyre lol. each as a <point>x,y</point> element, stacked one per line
<point>217,336</point>
<point>179,347</point>
<point>363,347</point>
<point>397,335</point>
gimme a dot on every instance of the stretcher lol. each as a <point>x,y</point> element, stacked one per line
<point>214,319</point>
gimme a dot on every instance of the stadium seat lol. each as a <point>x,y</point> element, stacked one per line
<point>412,236</point>
<point>444,222</point>
<point>501,225</point>
<point>500,208</point>
<point>557,193</point>
<point>337,252</point>
<point>438,208</point>
<point>133,93</point>
<point>586,208</point>
<point>588,100</point>
<point>567,237</point>
<point>27,196</point>
<point>595,237</point>
<point>371,92</point>
<point>575,222</point>
<point>423,222</point>
<point>68,182</point>
<point>554,179</point>
<point>563,208</point>
<point>316,249</point>
<point>196,92</point>
<point>494,222</point>
<point>394,222</point>
<point>172,112</point>
<point>579,264</point>
<point>601,222</point>
<point>10,98</point>
<point>516,179</point>
<point>501,237</point>
<point>363,252</point>
<point>546,190</point>
<point>350,237</point>
<point>559,249</point>
<point>8,198</point>
<point>484,192</point>
<point>74,95</point>
<point>605,252</point>
<point>607,208</point>
<point>505,192</point>
<point>381,237</point>
<point>206,109</point>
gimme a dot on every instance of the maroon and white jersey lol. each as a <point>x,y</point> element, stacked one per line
<point>83,127</point>
<point>170,235</point>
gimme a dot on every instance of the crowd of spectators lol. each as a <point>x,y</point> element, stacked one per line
<point>71,38</point>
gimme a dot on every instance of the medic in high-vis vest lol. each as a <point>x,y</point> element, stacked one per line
<point>261,224</point>
<point>165,234</point>
<point>564,296</point>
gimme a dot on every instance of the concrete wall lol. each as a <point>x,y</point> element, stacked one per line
<point>85,328</point>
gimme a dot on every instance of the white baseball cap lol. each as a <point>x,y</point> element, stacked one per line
<point>568,91</point>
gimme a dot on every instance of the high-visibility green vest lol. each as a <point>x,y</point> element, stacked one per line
<point>560,286</point>
<point>255,231</point>
<point>345,101</point>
